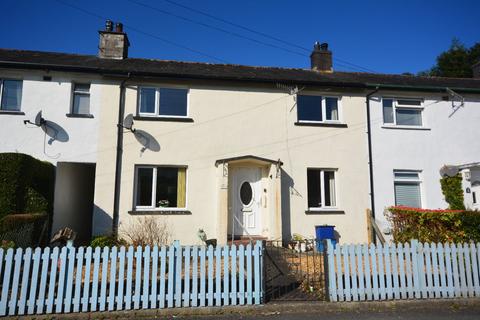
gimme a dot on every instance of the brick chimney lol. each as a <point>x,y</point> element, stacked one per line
<point>113,44</point>
<point>476,70</point>
<point>321,58</point>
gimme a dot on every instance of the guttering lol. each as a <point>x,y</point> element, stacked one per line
<point>118,159</point>
<point>420,88</point>
<point>370,157</point>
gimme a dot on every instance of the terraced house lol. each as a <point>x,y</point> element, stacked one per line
<point>237,151</point>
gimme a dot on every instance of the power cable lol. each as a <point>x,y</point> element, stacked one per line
<point>342,61</point>
<point>144,32</point>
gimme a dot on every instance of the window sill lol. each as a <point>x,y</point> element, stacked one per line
<point>322,124</point>
<point>172,119</point>
<point>161,212</point>
<point>12,112</point>
<point>74,115</point>
<point>405,127</point>
<point>324,211</point>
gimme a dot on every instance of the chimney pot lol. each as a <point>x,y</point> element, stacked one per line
<point>119,27</point>
<point>321,58</point>
<point>109,25</point>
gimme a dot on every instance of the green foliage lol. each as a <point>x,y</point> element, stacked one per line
<point>456,62</point>
<point>106,241</point>
<point>453,192</point>
<point>7,244</point>
<point>434,225</point>
<point>26,184</point>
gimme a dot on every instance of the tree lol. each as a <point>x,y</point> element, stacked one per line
<point>456,62</point>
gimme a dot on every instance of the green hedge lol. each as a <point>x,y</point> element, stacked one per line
<point>26,184</point>
<point>434,225</point>
<point>453,191</point>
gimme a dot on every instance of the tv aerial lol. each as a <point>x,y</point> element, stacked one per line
<point>128,123</point>
<point>39,120</point>
<point>455,97</point>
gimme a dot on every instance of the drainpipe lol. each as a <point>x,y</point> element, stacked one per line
<point>118,159</point>
<point>370,158</point>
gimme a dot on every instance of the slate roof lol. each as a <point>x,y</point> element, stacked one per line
<point>195,70</point>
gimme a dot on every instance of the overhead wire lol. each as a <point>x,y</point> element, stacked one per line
<point>263,34</point>
<point>140,31</point>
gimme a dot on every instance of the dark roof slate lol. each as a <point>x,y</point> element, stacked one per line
<point>166,68</point>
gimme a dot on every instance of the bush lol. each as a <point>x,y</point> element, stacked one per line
<point>434,225</point>
<point>106,241</point>
<point>147,231</point>
<point>453,192</point>
<point>26,184</point>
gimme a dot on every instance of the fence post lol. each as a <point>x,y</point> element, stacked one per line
<point>415,267</point>
<point>263,271</point>
<point>329,267</point>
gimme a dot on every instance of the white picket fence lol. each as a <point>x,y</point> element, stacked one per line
<point>403,271</point>
<point>84,279</point>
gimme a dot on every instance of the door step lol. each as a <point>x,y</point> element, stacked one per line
<point>238,240</point>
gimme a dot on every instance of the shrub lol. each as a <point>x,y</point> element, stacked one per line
<point>26,184</point>
<point>147,231</point>
<point>106,241</point>
<point>453,192</point>
<point>434,225</point>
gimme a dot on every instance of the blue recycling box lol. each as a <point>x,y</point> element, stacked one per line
<point>324,232</point>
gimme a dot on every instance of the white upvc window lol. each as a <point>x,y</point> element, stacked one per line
<point>10,94</point>
<point>160,188</point>
<point>81,99</point>
<point>401,112</point>
<point>407,188</point>
<point>314,109</point>
<point>321,189</point>
<point>163,102</point>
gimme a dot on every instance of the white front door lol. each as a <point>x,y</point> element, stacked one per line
<point>246,198</point>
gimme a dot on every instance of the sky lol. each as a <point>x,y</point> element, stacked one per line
<point>377,36</point>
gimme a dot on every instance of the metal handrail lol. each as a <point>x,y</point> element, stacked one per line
<point>243,227</point>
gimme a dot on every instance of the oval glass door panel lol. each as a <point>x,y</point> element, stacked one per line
<point>246,193</point>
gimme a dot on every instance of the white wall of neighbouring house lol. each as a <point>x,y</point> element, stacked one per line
<point>67,139</point>
<point>231,120</point>
<point>450,137</point>
<point>77,137</point>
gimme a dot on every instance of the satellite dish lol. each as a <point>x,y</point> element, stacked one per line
<point>39,120</point>
<point>449,171</point>
<point>128,122</point>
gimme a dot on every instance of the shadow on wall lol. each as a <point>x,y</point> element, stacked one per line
<point>55,132</point>
<point>147,141</point>
<point>102,222</point>
<point>287,185</point>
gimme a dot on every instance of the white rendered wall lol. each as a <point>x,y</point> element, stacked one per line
<point>452,138</point>
<point>54,99</point>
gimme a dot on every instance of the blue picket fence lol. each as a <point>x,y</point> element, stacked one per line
<point>85,279</point>
<point>403,271</point>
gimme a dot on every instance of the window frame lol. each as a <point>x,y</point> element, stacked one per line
<point>156,113</point>
<point>396,105</point>
<point>75,92</point>
<point>418,181</point>
<point>322,189</point>
<point>154,189</point>
<point>19,110</point>
<point>323,108</point>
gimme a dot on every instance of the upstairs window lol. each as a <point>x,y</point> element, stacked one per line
<point>81,99</point>
<point>11,95</point>
<point>160,187</point>
<point>407,188</point>
<point>163,102</point>
<point>317,109</point>
<point>321,188</point>
<point>402,112</point>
